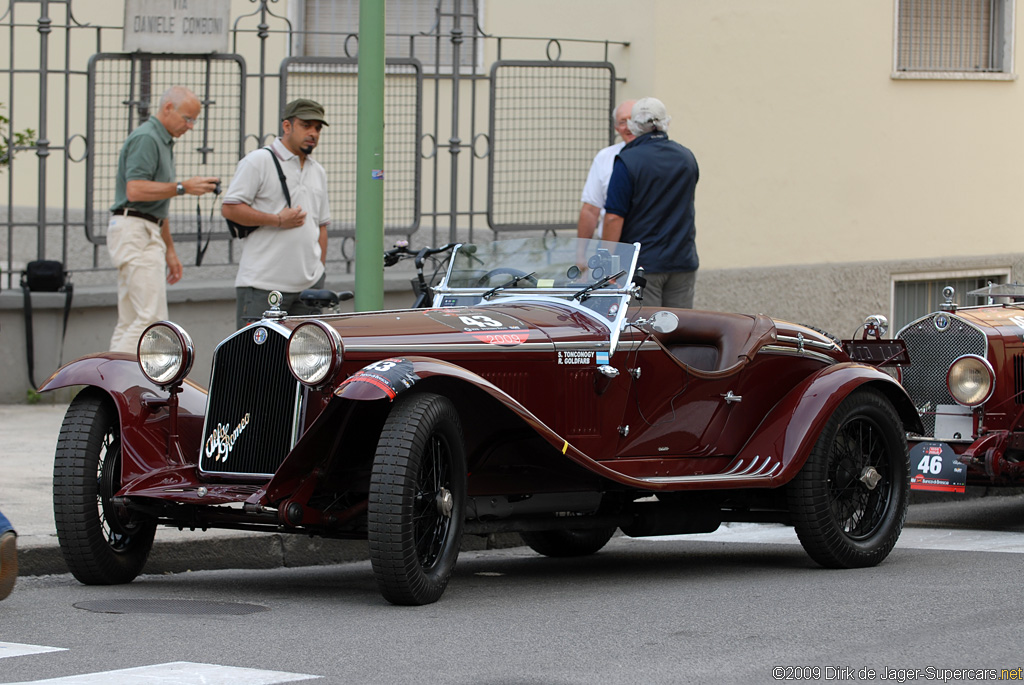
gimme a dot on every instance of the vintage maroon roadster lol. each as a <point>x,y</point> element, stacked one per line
<point>538,395</point>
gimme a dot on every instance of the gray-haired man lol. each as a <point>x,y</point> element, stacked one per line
<point>650,201</point>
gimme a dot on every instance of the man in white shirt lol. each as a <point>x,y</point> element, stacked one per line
<point>288,251</point>
<point>595,190</point>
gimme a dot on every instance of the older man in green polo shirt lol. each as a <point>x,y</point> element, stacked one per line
<point>139,235</point>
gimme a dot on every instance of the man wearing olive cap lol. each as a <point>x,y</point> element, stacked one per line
<point>288,251</point>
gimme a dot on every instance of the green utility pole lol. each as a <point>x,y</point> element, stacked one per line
<point>370,159</point>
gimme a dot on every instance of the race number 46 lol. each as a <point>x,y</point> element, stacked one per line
<point>930,463</point>
<point>935,467</point>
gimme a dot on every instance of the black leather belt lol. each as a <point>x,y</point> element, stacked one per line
<point>138,215</point>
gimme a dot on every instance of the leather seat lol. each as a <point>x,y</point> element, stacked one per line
<point>717,342</point>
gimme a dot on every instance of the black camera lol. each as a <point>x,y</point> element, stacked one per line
<point>216,188</point>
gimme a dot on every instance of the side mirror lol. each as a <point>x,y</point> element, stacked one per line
<point>663,322</point>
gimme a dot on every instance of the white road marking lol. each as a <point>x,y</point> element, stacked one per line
<point>9,649</point>
<point>912,538</point>
<point>180,673</point>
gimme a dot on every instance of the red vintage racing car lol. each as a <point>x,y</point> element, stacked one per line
<point>538,395</point>
<point>966,378</point>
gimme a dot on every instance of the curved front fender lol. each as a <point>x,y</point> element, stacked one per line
<point>144,419</point>
<point>789,431</point>
<point>388,378</point>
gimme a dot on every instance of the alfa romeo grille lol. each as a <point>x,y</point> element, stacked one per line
<point>252,407</point>
<point>933,343</point>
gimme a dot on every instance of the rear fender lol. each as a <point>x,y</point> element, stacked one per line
<point>144,418</point>
<point>788,433</point>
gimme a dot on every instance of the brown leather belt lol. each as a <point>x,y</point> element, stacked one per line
<point>138,215</point>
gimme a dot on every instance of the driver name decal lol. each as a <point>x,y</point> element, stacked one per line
<point>493,328</point>
<point>222,439</point>
<point>390,375</point>
<point>579,357</point>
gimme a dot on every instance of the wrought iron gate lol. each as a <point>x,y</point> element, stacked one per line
<point>528,127</point>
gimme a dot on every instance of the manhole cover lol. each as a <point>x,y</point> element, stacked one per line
<point>195,607</point>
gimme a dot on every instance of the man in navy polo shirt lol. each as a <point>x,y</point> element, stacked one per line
<point>650,201</point>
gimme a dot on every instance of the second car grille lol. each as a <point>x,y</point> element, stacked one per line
<point>933,343</point>
<point>253,405</point>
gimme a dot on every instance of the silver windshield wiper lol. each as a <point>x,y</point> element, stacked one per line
<point>585,293</point>
<point>510,284</point>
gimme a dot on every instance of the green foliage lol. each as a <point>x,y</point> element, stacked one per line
<point>17,139</point>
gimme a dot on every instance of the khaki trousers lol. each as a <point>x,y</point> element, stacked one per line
<point>139,253</point>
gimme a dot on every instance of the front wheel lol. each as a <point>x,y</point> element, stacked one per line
<point>101,543</point>
<point>849,501</point>
<point>417,499</point>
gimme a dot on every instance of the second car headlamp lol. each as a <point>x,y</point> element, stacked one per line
<point>971,380</point>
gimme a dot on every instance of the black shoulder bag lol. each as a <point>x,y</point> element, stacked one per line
<point>240,231</point>
<point>44,276</point>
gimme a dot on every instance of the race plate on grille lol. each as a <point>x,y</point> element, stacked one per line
<point>877,352</point>
<point>253,405</point>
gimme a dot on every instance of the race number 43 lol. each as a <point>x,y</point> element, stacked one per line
<point>480,321</point>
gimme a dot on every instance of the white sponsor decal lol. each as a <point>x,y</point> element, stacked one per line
<point>222,439</point>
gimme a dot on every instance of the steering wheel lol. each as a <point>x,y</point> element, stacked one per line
<point>504,271</point>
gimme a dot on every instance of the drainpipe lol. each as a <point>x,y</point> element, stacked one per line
<point>369,293</point>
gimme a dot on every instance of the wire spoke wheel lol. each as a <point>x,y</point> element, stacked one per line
<point>850,499</point>
<point>417,499</point>
<point>858,453</point>
<point>103,544</point>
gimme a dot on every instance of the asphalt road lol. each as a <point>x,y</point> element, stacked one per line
<point>700,609</point>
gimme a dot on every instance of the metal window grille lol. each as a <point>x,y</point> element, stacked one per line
<point>953,35</point>
<point>548,121</point>
<point>914,299</point>
<point>412,28</point>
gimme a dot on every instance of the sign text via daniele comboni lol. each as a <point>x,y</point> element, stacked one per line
<point>178,26</point>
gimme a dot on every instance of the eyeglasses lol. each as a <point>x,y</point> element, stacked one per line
<point>188,120</point>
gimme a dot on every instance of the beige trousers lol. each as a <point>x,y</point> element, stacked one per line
<point>139,253</point>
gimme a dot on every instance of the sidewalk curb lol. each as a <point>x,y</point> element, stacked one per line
<point>257,551</point>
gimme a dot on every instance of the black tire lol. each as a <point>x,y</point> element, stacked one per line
<point>841,519</point>
<point>102,544</point>
<point>567,543</point>
<point>417,499</point>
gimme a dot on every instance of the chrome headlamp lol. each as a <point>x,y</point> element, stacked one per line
<point>971,380</point>
<point>314,353</point>
<point>165,353</point>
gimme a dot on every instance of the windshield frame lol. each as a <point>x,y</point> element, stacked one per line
<point>607,305</point>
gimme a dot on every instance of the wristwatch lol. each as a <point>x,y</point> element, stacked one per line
<point>180,189</point>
